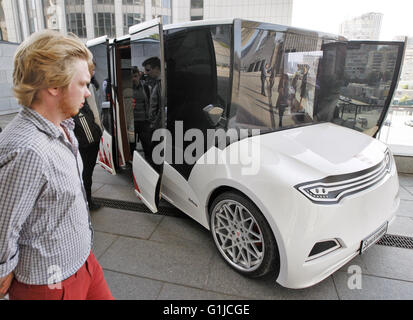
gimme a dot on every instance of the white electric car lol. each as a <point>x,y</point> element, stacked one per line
<point>264,135</point>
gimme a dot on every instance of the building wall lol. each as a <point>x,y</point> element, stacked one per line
<point>8,104</point>
<point>407,69</point>
<point>11,21</point>
<point>181,11</point>
<point>279,12</point>
<point>72,15</point>
<point>365,27</point>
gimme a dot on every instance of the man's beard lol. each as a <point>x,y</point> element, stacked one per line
<point>66,109</point>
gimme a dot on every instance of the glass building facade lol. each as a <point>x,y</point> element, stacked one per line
<point>133,12</point>
<point>75,17</point>
<point>104,18</point>
<point>163,10</point>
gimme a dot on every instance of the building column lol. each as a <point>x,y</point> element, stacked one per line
<point>148,10</point>
<point>90,23</point>
<point>40,15</point>
<point>24,23</point>
<point>118,18</point>
<point>174,11</point>
<point>61,16</point>
<point>11,16</point>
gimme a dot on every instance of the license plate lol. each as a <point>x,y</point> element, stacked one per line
<point>373,238</point>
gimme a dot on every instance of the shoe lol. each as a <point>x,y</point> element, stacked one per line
<point>93,206</point>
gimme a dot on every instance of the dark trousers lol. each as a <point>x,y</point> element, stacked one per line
<point>89,155</point>
<point>144,132</point>
<point>263,86</point>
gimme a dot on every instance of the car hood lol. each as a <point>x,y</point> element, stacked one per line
<point>327,148</point>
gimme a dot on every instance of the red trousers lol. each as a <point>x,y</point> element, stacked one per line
<point>88,283</point>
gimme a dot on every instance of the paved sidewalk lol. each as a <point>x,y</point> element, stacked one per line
<point>147,256</point>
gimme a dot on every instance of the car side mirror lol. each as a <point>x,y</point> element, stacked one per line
<point>213,114</point>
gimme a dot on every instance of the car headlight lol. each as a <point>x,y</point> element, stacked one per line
<point>332,189</point>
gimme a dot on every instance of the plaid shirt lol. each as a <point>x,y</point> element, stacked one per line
<point>45,230</point>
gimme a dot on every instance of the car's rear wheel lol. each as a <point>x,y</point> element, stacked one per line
<point>243,236</point>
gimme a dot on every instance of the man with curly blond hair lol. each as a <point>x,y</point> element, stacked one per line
<point>45,230</point>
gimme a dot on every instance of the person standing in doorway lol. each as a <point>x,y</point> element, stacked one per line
<point>152,88</point>
<point>140,105</point>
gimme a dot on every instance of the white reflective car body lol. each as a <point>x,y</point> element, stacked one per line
<point>326,189</point>
<point>287,159</point>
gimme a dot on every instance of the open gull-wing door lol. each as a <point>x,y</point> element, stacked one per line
<point>149,88</point>
<point>104,101</point>
<point>371,74</point>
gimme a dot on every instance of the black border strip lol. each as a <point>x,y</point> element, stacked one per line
<point>164,209</point>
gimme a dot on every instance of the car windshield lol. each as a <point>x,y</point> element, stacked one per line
<point>289,79</point>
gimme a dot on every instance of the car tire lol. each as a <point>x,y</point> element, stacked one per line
<point>243,236</point>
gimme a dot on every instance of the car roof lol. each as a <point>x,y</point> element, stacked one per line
<point>210,22</point>
<point>207,22</point>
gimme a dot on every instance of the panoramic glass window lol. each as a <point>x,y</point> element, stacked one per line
<point>198,62</point>
<point>368,75</point>
<point>398,126</point>
<point>198,75</point>
<point>290,79</point>
<point>262,96</point>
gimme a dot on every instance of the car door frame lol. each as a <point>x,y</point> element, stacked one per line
<point>147,180</point>
<point>107,153</point>
<point>395,78</point>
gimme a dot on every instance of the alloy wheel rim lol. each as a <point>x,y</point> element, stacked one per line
<point>237,235</point>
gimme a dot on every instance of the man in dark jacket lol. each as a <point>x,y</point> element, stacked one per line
<point>140,106</point>
<point>88,133</point>
<point>147,104</point>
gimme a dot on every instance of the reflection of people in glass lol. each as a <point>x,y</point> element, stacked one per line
<point>293,90</point>
<point>152,88</point>
<point>282,100</point>
<point>303,89</point>
<point>153,71</point>
<point>264,70</point>
<point>140,105</point>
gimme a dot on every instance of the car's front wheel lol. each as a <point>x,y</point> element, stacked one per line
<point>243,236</point>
